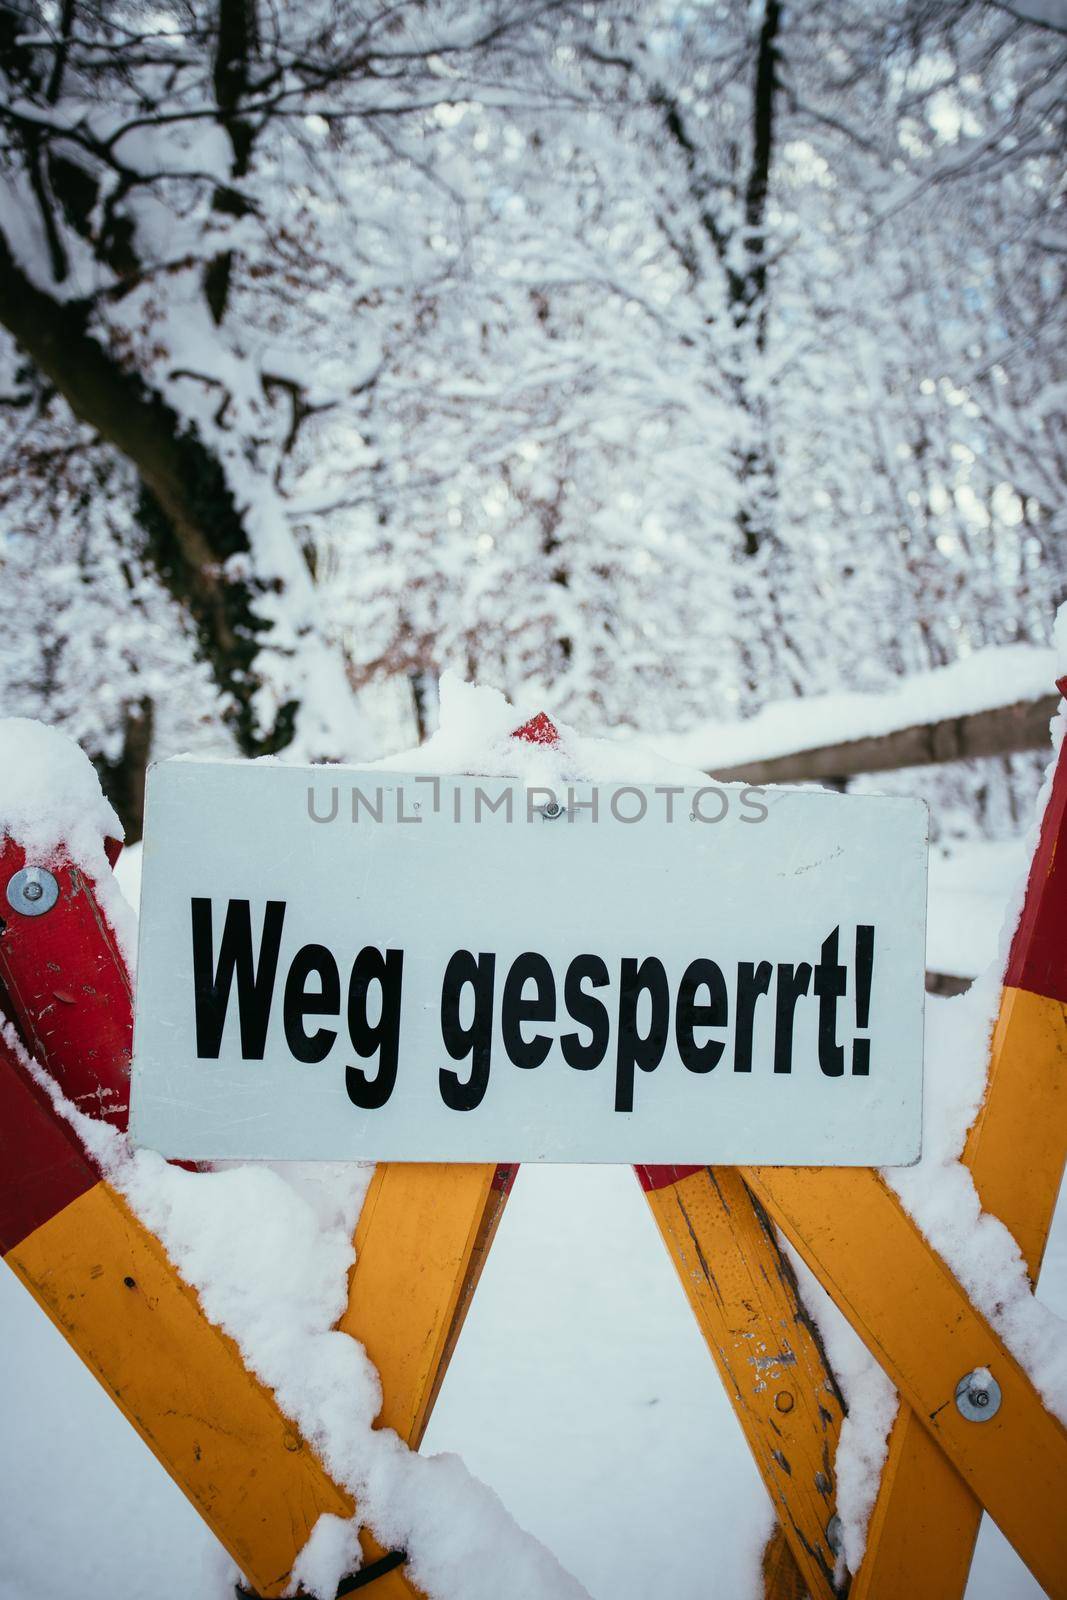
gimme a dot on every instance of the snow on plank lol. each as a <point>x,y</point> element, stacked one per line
<point>996,702</point>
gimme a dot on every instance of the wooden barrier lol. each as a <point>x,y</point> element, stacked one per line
<point>424,1235</point>
<point>1003,730</point>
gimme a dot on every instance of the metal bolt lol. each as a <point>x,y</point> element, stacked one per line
<point>32,892</point>
<point>551,811</point>
<point>978,1395</point>
<point>783,1400</point>
<point>833,1534</point>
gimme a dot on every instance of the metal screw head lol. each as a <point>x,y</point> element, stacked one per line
<point>32,892</point>
<point>783,1400</point>
<point>834,1533</point>
<point>551,811</point>
<point>978,1395</point>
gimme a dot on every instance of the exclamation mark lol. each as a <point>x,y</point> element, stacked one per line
<point>861,1048</point>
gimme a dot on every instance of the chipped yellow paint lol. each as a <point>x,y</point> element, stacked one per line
<point>919,1323</point>
<point>925,1520</point>
<point>745,1299</point>
<point>779,1570</point>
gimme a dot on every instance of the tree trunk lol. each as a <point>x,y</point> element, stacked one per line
<point>123,780</point>
<point>186,508</point>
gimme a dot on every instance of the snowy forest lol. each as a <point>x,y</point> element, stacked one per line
<point>692,372</point>
<point>651,362</point>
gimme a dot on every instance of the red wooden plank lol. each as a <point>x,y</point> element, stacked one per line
<point>1038,958</point>
<point>651,1178</point>
<point>68,989</point>
<point>42,1164</point>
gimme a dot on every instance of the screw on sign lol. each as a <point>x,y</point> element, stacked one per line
<point>750,1297</point>
<point>446,1217</point>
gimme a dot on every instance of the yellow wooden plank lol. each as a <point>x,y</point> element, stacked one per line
<point>781,1576</point>
<point>1017,1146</point>
<point>919,1323</point>
<point>486,1232</point>
<point>925,1520</point>
<point>106,1283</point>
<point>421,1242</point>
<point>921,1534</point>
<point>417,1250</point>
<point>747,1305</point>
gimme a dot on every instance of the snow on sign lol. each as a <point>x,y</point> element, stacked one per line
<point>340,963</point>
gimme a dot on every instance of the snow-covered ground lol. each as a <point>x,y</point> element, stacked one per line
<point>581,1391</point>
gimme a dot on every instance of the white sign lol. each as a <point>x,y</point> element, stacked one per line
<point>339,964</point>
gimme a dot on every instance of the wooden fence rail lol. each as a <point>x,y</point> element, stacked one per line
<point>1002,731</point>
